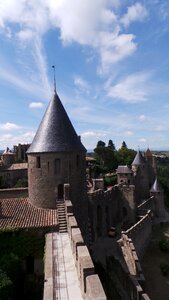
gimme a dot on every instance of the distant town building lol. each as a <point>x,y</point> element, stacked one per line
<point>20,152</point>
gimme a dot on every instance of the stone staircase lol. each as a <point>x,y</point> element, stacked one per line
<point>61,216</point>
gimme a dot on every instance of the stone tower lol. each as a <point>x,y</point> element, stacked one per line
<point>157,192</point>
<point>150,166</point>
<point>56,157</point>
<point>141,182</point>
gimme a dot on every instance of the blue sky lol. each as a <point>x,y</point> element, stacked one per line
<point>112,69</point>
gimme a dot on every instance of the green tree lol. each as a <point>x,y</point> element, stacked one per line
<point>111,145</point>
<point>123,146</point>
<point>125,156</point>
<point>6,287</point>
<point>105,156</point>
<point>23,182</point>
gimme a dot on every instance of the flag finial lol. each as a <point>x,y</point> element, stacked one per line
<point>54,78</point>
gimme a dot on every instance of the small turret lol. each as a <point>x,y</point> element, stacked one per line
<point>138,161</point>
<point>8,157</point>
<point>157,191</point>
<point>124,175</point>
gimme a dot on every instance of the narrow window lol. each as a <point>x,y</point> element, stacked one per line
<point>38,162</point>
<point>57,166</point>
<point>48,166</point>
<point>77,160</point>
<point>99,221</point>
<point>70,168</point>
<point>29,264</point>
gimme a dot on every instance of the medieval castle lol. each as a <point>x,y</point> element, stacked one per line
<point>81,217</point>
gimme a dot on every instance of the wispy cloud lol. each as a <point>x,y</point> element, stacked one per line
<point>9,75</point>
<point>142,140</point>
<point>9,126</point>
<point>13,139</point>
<point>132,89</point>
<point>81,84</point>
<point>142,117</point>
<point>78,22</point>
<point>136,12</point>
<point>94,134</point>
<point>36,104</point>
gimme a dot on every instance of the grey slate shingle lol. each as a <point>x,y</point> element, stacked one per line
<point>55,132</point>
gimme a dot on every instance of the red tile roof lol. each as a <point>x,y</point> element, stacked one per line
<point>20,213</point>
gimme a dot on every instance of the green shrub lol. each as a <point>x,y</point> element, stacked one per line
<point>164,245</point>
<point>6,287</point>
<point>164,269</point>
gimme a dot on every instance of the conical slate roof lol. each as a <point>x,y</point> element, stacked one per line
<point>156,187</point>
<point>148,153</point>
<point>55,132</point>
<point>139,159</point>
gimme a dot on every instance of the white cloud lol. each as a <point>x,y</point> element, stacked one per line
<point>81,84</point>
<point>36,105</point>
<point>9,126</point>
<point>132,89</point>
<point>8,140</point>
<point>116,49</point>
<point>9,75</point>
<point>25,35</point>
<point>93,134</point>
<point>142,117</point>
<point>136,12</point>
<point>128,133</point>
<point>84,22</point>
<point>142,140</point>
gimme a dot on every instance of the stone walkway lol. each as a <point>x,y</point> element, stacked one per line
<point>66,283</point>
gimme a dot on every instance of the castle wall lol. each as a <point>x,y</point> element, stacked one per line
<point>90,285</point>
<point>140,233</point>
<point>128,285</point>
<point>104,211</point>
<point>10,177</point>
<point>14,193</point>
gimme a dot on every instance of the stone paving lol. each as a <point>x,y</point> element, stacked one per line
<point>66,283</point>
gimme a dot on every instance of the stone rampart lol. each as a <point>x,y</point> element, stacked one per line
<point>104,211</point>
<point>89,281</point>
<point>146,204</point>
<point>90,284</point>
<point>48,280</point>
<point>130,257</point>
<point>127,284</point>
<point>14,193</point>
<point>140,233</point>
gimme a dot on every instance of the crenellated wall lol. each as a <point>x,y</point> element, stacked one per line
<point>89,281</point>
<point>104,211</point>
<point>140,233</point>
<point>90,284</point>
<point>129,285</point>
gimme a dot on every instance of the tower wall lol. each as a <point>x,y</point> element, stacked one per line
<point>48,172</point>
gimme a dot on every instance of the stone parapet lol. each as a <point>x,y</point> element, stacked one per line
<point>76,240</point>
<point>140,233</point>
<point>48,280</point>
<point>83,261</point>
<point>14,193</point>
<point>85,266</point>
<point>94,289</point>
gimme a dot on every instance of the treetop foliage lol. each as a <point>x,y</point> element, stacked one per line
<point>108,158</point>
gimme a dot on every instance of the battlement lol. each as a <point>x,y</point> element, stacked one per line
<point>140,233</point>
<point>103,195</point>
<point>126,272</point>
<point>90,285</point>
